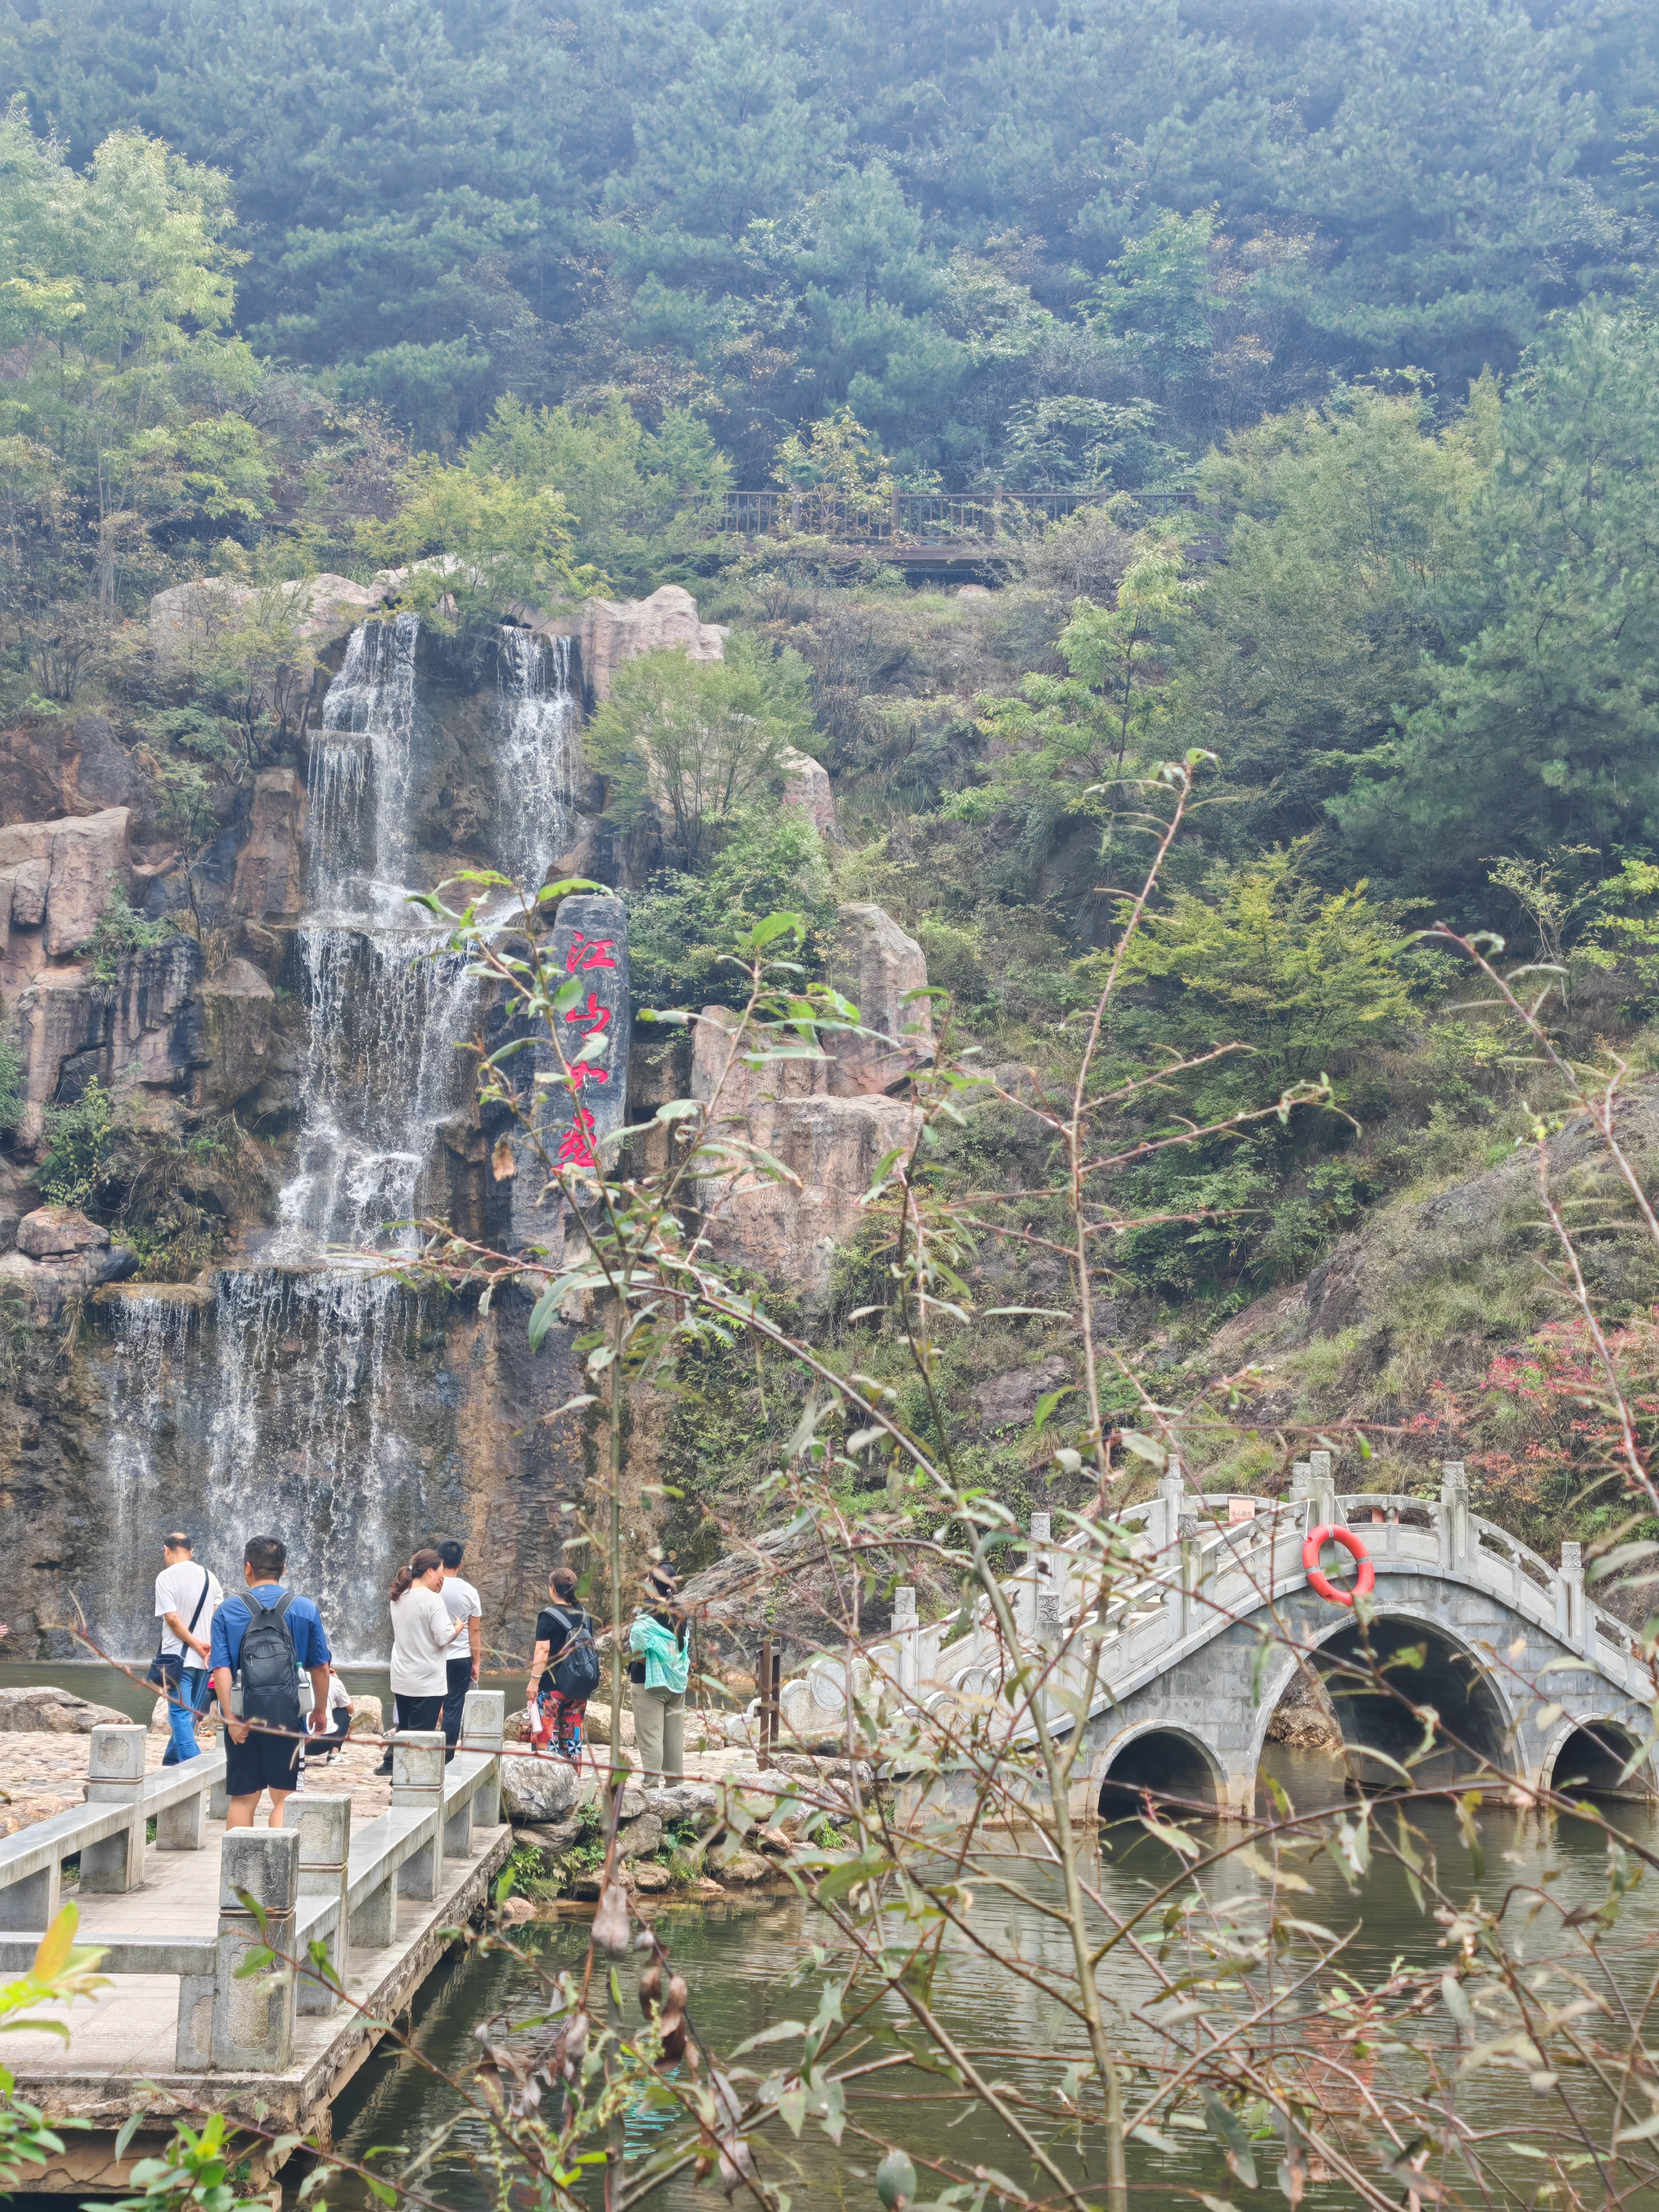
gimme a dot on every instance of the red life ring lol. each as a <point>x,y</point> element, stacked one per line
<point>1315,1542</point>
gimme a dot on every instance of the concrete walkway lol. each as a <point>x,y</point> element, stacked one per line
<point>125,2039</point>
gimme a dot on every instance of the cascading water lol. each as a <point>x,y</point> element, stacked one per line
<point>153,1333</point>
<point>310,1384</point>
<point>313,1396</point>
<point>538,751</point>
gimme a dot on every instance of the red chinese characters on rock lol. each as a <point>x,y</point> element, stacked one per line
<point>577,1147</point>
<point>586,952</point>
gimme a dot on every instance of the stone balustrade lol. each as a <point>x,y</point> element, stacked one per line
<point>1197,1563</point>
<point>313,1881</point>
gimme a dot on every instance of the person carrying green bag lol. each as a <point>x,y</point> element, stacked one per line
<point>659,1672</point>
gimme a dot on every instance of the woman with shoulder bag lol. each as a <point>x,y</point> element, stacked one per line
<point>568,1667</point>
<point>659,1672</point>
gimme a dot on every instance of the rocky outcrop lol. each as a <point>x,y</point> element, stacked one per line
<point>38,1709</point>
<point>267,886</point>
<point>873,962</point>
<point>807,788</point>
<point>827,1122</point>
<point>141,1034</point>
<point>61,1254</point>
<point>616,630</point>
<point>187,619</point>
<point>237,1007</point>
<point>56,879</point>
<point>56,1232</point>
<point>534,1790</point>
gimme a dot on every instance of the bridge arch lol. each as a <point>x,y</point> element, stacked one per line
<point>1454,1678</point>
<point>1173,1763</point>
<point>1590,1755</point>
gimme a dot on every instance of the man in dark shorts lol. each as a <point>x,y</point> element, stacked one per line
<point>256,1759</point>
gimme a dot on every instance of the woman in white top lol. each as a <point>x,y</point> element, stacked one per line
<point>423,1630</point>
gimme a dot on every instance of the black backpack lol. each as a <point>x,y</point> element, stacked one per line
<point>270,1671</point>
<point>576,1671</point>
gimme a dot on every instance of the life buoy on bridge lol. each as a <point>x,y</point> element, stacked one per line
<point>1315,1542</point>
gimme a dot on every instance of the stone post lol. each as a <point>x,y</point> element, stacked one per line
<point>324,1832</point>
<point>1454,1515</point>
<point>253,2019</point>
<point>907,1636</point>
<point>1038,1569</point>
<point>1301,1482</point>
<point>1322,1486</point>
<point>1171,1560</point>
<point>484,1724</point>
<point>116,1777</point>
<point>417,1785</point>
<point>1569,1609</point>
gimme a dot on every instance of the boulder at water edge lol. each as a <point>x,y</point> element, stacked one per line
<point>537,1790</point>
<point>41,1708</point>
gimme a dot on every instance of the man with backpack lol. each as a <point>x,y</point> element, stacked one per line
<point>568,1667</point>
<point>260,1642</point>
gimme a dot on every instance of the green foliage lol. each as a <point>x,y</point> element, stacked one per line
<point>78,1162</point>
<point>624,487</point>
<point>1542,731</point>
<point>681,927</point>
<point>470,535</point>
<point>1350,527</point>
<point>12,1071</point>
<point>1063,747</point>
<point>1262,957</point>
<point>700,742</point>
<point>119,931</point>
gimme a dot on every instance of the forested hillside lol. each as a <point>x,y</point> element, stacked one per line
<point>1343,318</point>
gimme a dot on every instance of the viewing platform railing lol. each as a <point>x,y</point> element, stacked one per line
<point>904,518</point>
<point>313,1879</point>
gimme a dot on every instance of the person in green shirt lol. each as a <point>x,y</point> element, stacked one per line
<point>658,1672</point>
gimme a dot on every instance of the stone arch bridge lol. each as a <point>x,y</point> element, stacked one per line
<point>1527,1673</point>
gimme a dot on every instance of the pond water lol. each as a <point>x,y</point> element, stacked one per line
<point>750,1965</point>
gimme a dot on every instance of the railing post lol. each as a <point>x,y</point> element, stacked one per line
<point>893,511</point>
<point>1454,1515</point>
<point>253,2018</point>
<point>1570,1598</point>
<point>906,1636</point>
<point>116,1777</point>
<point>1322,1486</point>
<point>1037,1560</point>
<point>417,1785</point>
<point>1171,1559</point>
<point>325,1831</point>
<point>483,1723</point>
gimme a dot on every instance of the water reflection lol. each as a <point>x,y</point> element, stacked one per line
<point>741,1962</point>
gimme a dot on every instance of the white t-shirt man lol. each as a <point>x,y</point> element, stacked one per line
<point>458,1594</point>
<point>177,1590</point>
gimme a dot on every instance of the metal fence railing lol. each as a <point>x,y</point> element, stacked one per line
<point>902,518</point>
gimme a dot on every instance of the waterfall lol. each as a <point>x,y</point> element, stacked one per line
<point>539,753</point>
<point>154,1332</point>
<point>385,1007</point>
<point>313,1414</point>
<point>361,778</point>
<point>323,1410</point>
